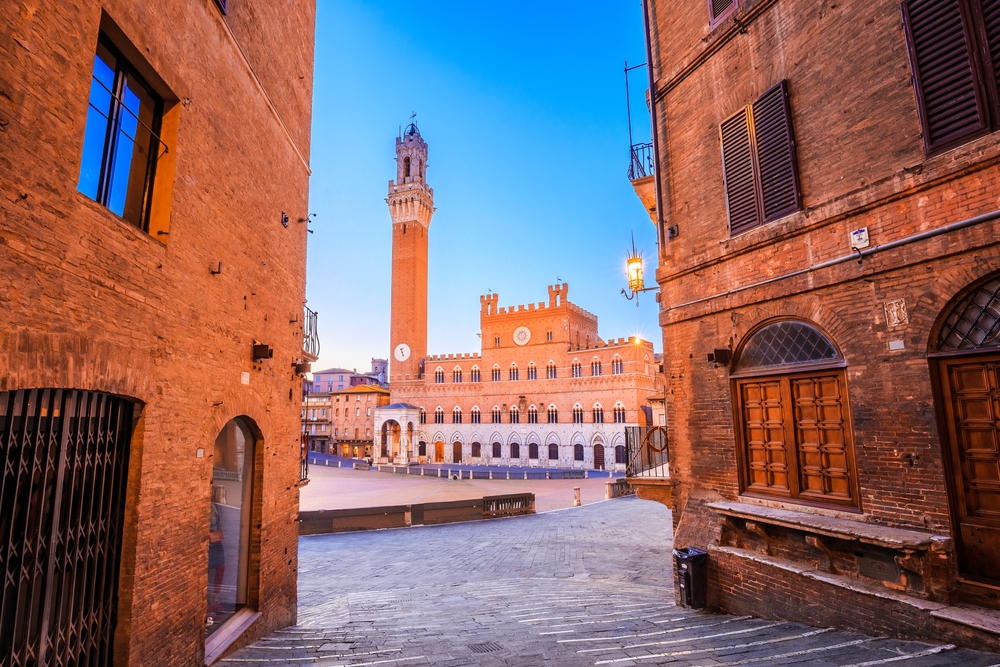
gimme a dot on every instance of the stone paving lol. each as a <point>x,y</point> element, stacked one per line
<point>583,586</point>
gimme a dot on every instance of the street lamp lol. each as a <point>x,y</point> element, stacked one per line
<point>634,274</point>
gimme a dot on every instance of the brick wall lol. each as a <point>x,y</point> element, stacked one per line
<point>87,301</point>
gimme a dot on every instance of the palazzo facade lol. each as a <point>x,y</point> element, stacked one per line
<point>545,390</point>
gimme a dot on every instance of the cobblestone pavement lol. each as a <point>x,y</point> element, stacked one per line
<point>585,586</point>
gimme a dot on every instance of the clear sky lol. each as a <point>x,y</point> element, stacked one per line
<point>522,104</point>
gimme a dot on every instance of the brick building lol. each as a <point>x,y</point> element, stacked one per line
<point>154,178</point>
<point>544,390</point>
<point>828,192</point>
<point>353,419</point>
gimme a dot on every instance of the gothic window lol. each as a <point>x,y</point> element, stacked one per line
<point>515,415</point>
<point>477,450</point>
<point>553,452</point>
<point>620,456</point>
<point>439,376</point>
<point>406,167</point>
<point>595,367</point>
<point>496,414</point>
<point>456,375</point>
<point>423,416</point>
<point>515,450</point>
<point>577,452</point>
<point>474,374</point>
<point>550,371</point>
<point>793,420</point>
<point>439,415</point>
<point>553,415</point>
<point>532,371</point>
<point>548,336</point>
<point>577,414</point>
<point>456,415</point>
<point>598,412</point>
<point>577,369</point>
<point>496,372</point>
<point>532,415</point>
<point>513,372</point>
<point>619,414</point>
<point>533,451</point>
<point>496,341</point>
<point>617,365</point>
<point>475,415</point>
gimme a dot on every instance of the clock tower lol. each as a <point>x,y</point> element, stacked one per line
<point>411,205</point>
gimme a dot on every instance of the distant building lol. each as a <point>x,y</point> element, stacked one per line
<point>353,419</point>
<point>546,389</point>
<point>330,380</point>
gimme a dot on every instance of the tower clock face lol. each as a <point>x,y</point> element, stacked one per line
<point>522,335</point>
<point>402,352</point>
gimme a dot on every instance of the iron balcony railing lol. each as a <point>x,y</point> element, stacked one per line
<point>310,334</point>
<point>647,451</point>
<point>641,161</point>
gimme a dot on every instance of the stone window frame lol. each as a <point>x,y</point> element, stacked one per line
<point>596,369</point>
<point>553,414</point>
<point>577,369</point>
<point>496,415</point>
<point>577,414</point>
<point>532,371</point>
<point>456,415</point>
<point>617,365</point>
<point>496,372</point>
<point>474,374</point>
<point>551,370</point>
<point>439,375</point>
<point>512,372</point>
<point>532,414</point>
<point>597,413</point>
<point>456,374</point>
<point>439,415</point>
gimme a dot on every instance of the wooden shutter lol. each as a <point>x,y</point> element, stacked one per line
<point>991,29</point>
<point>718,10</point>
<point>764,438</point>
<point>775,144</point>
<point>223,5</point>
<point>822,438</point>
<point>739,173</point>
<point>950,98</point>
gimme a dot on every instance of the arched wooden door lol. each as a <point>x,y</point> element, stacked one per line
<point>968,374</point>
<point>439,452</point>
<point>456,452</point>
<point>598,457</point>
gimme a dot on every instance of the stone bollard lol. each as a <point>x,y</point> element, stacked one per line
<point>508,474</point>
<point>576,496</point>
<point>548,475</point>
<point>491,474</point>
<point>608,492</point>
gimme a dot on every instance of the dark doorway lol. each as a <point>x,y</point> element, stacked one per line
<point>62,507</point>
<point>456,452</point>
<point>598,457</point>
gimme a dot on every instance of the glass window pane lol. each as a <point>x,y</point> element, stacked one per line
<point>98,113</point>
<point>786,343</point>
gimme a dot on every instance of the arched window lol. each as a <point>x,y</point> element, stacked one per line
<point>496,450</point>
<point>439,375</point>
<point>456,374</point>
<point>456,415</point>
<point>515,450</point>
<point>553,415</point>
<point>423,416</point>
<point>553,452</point>
<point>475,415</point>
<point>598,412</point>
<point>974,322</point>
<point>577,369</point>
<point>578,452</point>
<point>421,448</point>
<point>439,415</point>
<point>496,372</point>
<point>477,450</point>
<point>532,371</point>
<point>474,374</point>
<point>513,372</point>
<point>619,413</point>
<point>550,370</point>
<point>420,168</point>
<point>515,415</point>
<point>496,414</point>
<point>532,415</point>
<point>793,421</point>
<point>406,167</point>
<point>617,365</point>
<point>533,451</point>
<point>595,367</point>
<point>620,456</point>
<point>577,414</point>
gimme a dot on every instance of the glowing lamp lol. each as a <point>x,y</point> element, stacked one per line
<point>633,268</point>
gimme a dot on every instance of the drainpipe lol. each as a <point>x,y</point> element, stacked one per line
<point>655,124</point>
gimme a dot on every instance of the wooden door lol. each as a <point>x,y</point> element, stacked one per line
<point>439,452</point>
<point>971,392</point>
<point>598,457</point>
<point>456,452</point>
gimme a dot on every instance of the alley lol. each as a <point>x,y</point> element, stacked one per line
<point>587,586</point>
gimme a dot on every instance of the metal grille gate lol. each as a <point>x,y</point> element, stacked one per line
<point>62,495</point>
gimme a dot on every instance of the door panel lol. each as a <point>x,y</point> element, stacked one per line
<point>972,391</point>
<point>439,452</point>
<point>456,452</point>
<point>598,457</point>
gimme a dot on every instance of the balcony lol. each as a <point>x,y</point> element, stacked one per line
<point>641,173</point>
<point>648,468</point>
<point>310,336</point>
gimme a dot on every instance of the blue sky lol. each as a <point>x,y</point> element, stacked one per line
<point>522,105</point>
